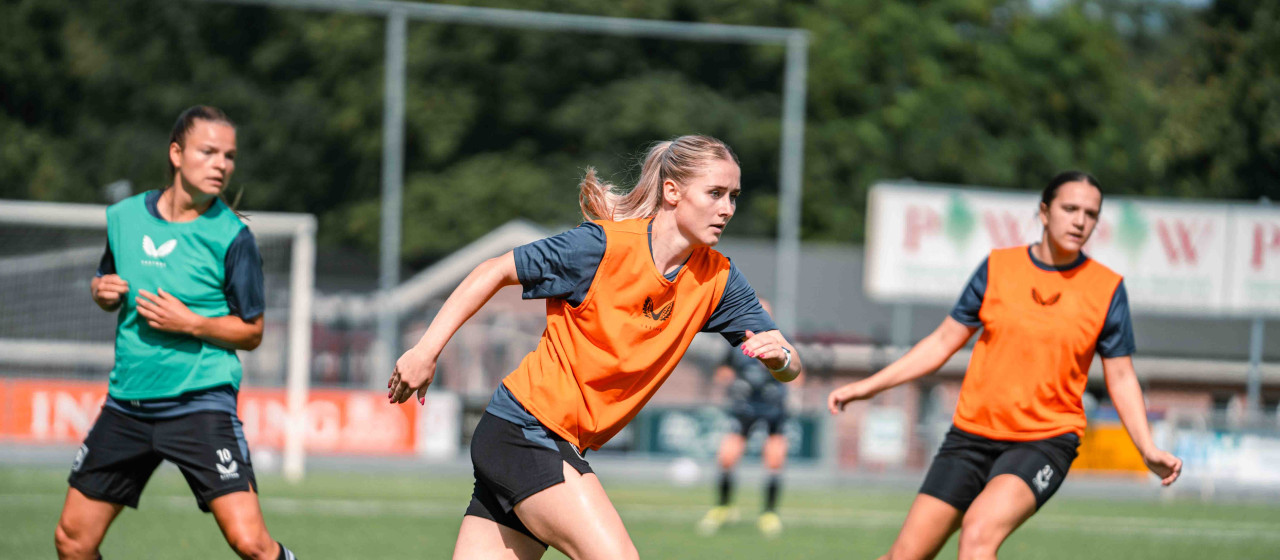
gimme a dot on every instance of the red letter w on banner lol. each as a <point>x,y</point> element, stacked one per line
<point>1177,242</point>
<point>1003,229</point>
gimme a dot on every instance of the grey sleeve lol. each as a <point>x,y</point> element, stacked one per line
<point>970,302</point>
<point>107,264</point>
<point>1116,339</point>
<point>561,266</point>
<point>244,282</point>
<point>739,310</point>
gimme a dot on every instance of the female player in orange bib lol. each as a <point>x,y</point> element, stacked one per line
<point>1045,310</point>
<point>626,293</point>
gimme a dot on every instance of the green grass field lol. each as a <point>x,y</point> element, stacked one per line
<point>350,516</point>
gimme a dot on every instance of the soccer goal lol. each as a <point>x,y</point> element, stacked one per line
<point>51,329</point>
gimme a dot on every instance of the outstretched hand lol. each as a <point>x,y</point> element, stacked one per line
<point>842,396</point>
<point>769,347</point>
<point>1165,465</point>
<point>414,372</point>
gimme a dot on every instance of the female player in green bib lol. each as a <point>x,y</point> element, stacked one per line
<point>184,276</point>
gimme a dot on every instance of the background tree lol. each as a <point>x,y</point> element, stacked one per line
<point>1222,137</point>
<point>1153,97</point>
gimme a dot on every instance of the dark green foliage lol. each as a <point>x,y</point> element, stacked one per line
<point>1152,98</point>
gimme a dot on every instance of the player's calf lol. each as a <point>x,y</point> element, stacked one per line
<point>259,549</point>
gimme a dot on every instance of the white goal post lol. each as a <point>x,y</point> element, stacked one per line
<point>50,328</point>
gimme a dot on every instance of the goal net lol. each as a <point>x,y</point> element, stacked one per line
<point>50,327</point>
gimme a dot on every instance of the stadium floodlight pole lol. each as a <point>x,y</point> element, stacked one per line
<point>796,42</point>
<point>392,194</point>
<point>1253,383</point>
<point>790,177</point>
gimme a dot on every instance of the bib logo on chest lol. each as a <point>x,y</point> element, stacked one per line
<point>156,253</point>
<point>659,315</point>
<point>1035,296</point>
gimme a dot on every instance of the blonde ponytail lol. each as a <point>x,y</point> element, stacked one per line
<point>593,197</point>
<point>678,160</point>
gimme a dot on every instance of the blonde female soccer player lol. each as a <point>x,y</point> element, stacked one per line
<point>626,293</point>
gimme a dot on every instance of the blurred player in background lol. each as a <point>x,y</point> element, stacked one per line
<point>1045,310</point>
<point>755,397</point>
<point>626,293</point>
<point>185,276</point>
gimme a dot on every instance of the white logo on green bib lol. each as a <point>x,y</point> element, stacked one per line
<point>149,247</point>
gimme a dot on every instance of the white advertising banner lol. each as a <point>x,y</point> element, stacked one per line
<point>1173,255</point>
<point>924,242</point>
<point>1254,278</point>
<point>883,438</point>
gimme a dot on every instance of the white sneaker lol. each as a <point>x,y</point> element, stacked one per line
<point>770,524</point>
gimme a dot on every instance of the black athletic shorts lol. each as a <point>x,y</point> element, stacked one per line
<point>513,462</point>
<point>742,423</point>
<point>966,462</point>
<point>117,458</point>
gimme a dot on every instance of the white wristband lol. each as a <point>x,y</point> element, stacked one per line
<point>785,364</point>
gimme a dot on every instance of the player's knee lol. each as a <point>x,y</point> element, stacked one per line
<point>907,551</point>
<point>626,551</point>
<point>253,544</point>
<point>72,544</point>
<point>729,453</point>
<point>775,461</point>
<point>979,538</point>
<point>728,462</point>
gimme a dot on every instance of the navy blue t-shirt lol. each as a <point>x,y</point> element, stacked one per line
<point>564,265</point>
<point>244,290</point>
<point>1116,338</point>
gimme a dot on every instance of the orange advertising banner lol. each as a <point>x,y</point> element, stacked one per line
<point>1107,447</point>
<point>336,421</point>
<point>49,411</point>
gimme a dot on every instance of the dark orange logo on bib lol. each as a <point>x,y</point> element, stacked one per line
<point>659,315</point>
<point>1035,295</point>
